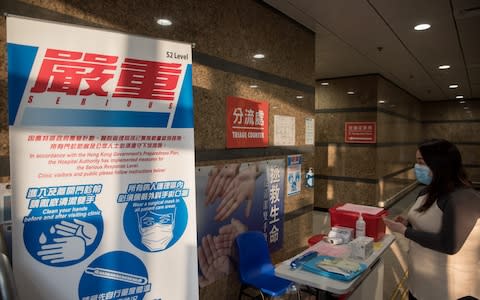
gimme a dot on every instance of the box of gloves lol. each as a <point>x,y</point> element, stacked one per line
<point>362,247</point>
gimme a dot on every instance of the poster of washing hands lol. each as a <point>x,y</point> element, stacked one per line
<point>102,164</point>
<point>233,198</point>
<point>294,174</point>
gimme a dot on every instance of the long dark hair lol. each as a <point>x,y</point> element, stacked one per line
<point>445,162</point>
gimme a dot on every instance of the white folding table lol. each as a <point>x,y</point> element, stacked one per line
<point>336,287</point>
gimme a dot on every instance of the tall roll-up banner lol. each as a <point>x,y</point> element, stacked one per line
<point>102,164</point>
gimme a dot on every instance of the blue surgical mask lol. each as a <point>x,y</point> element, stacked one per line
<point>423,174</point>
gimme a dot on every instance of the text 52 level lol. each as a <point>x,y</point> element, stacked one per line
<point>177,55</point>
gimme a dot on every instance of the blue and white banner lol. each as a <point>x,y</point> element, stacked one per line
<point>233,198</point>
<point>102,164</point>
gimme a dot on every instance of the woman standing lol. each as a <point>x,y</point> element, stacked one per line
<point>443,227</point>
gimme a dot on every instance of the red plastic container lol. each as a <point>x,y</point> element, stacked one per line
<point>315,239</point>
<point>374,225</point>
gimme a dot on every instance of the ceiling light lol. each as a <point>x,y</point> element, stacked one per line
<point>324,83</point>
<point>299,97</point>
<point>164,22</point>
<point>444,67</point>
<point>253,86</point>
<point>351,93</point>
<point>421,27</point>
<point>463,102</point>
<point>381,101</point>
<point>459,97</point>
<point>453,86</point>
<point>259,55</point>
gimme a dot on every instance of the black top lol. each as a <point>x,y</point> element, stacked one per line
<point>461,210</point>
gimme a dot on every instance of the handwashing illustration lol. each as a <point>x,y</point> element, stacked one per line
<point>156,228</point>
<point>70,246</point>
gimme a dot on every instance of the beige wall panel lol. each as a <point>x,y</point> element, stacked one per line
<point>451,110</point>
<point>474,174</point>
<point>393,186</point>
<point>454,132</point>
<point>470,154</point>
<point>296,234</point>
<point>459,122</point>
<point>335,94</point>
<point>225,288</point>
<point>395,158</point>
<point>321,163</point>
<point>331,192</point>
<point>348,161</point>
<point>302,199</point>
<point>397,100</point>
<point>393,129</point>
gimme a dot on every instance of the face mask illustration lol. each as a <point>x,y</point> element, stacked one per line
<point>423,174</point>
<point>156,229</point>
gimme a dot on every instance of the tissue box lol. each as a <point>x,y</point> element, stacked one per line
<point>374,225</point>
<point>362,247</point>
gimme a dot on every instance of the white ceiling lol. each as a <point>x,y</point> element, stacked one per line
<point>355,37</point>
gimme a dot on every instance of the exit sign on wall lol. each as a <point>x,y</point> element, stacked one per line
<point>361,132</point>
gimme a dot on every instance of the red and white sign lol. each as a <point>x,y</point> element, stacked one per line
<point>101,141</point>
<point>247,123</point>
<point>361,132</point>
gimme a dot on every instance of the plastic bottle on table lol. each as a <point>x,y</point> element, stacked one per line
<point>360,226</point>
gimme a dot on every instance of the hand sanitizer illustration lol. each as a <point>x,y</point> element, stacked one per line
<point>156,228</point>
<point>309,178</point>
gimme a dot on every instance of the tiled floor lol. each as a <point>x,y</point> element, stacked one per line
<point>394,286</point>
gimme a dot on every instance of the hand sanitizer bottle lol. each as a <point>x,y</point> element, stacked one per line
<point>360,226</point>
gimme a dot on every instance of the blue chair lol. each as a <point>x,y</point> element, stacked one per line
<point>255,266</point>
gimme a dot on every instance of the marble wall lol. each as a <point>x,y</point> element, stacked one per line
<point>364,173</point>
<point>224,36</point>
<point>345,172</point>
<point>376,174</point>
<point>459,122</point>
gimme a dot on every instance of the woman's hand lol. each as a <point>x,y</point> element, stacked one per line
<point>401,219</point>
<point>395,226</point>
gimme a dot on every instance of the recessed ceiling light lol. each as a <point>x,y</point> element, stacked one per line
<point>421,27</point>
<point>453,86</point>
<point>351,93</point>
<point>459,97</point>
<point>444,67</point>
<point>259,55</point>
<point>324,83</point>
<point>463,102</point>
<point>164,22</point>
<point>253,86</point>
<point>299,97</point>
<point>381,101</point>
